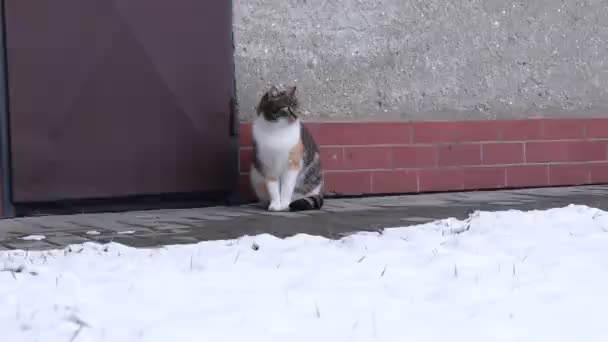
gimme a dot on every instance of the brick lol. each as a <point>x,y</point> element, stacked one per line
<point>596,128</point>
<point>463,131</point>
<point>579,151</point>
<point>527,176</point>
<point>415,156</point>
<point>348,182</point>
<point>358,158</point>
<point>440,180</point>
<point>598,173</point>
<point>543,152</point>
<point>394,181</point>
<point>502,153</point>
<point>565,151</point>
<point>484,178</point>
<point>245,190</point>
<point>361,133</point>
<point>460,155</point>
<point>571,174</point>
<point>245,159</point>
<point>387,132</point>
<point>555,129</point>
<point>332,158</point>
<point>245,136</point>
<point>520,130</point>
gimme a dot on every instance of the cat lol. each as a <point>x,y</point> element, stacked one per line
<point>286,173</point>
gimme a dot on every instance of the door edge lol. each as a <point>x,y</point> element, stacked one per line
<point>7,208</point>
<point>235,134</point>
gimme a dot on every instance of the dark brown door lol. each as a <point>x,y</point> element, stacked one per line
<point>114,98</point>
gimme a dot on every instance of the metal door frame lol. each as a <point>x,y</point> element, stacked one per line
<point>7,208</point>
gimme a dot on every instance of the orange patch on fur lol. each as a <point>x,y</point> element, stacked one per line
<point>295,156</point>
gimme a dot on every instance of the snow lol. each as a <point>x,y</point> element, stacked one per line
<point>498,276</point>
<point>34,237</point>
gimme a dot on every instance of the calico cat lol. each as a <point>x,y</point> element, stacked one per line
<point>286,170</point>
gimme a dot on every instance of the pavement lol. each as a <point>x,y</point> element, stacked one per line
<point>338,218</point>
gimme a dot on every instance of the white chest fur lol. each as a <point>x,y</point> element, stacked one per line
<point>275,141</point>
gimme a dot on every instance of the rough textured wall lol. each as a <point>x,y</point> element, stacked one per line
<point>426,59</point>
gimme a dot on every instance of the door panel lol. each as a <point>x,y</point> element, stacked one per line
<point>119,98</point>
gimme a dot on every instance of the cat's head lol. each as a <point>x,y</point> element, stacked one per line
<point>276,105</point>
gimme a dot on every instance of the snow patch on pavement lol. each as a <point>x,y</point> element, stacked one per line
<point>33,237</point>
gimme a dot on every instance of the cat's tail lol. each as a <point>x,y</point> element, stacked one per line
<point>314,202</point>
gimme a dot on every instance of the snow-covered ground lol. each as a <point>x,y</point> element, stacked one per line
<point>505,276</point>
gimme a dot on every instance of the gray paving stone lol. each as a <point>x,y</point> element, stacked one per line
<point>134,224</point>
<point>155,241</point>
<point>506,202</point>
<point>12,226</point>
<point>158,221</point>
<point>101,223</point>
<point>286,214</point>
<point>30,244</point>
<point>198,212</point>
<point>545,191</point>
<point>221,211</point>
<point>166,232</point>
<point>142,242</point>
<point>418,219</point>
<point>345,206</point>
<point>340,217</point>
<point>66,240</point>
<point>407,201</point>
<point>198,217</point>
<point>258,212</point>
<point>59,223</point>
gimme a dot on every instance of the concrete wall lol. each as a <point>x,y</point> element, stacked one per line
<point>426,59</point>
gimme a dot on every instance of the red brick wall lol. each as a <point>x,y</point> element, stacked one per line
<point>400,157</point>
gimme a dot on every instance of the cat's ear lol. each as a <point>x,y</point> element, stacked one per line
<point>259,108</point>
<point>291,91</point>
<point>273,91</point>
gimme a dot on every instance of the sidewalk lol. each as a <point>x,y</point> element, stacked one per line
<point>339,217</point>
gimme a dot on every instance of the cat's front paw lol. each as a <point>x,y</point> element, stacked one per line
<point>275,206</point>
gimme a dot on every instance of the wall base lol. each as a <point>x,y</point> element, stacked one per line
<point>365,158</point>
